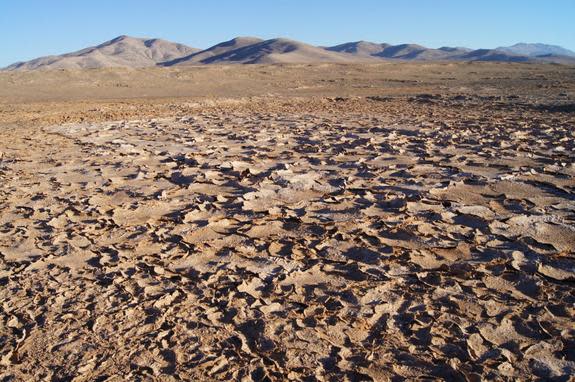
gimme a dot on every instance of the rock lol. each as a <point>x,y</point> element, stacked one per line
<point>557,271</point>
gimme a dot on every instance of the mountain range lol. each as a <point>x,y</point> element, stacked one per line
<point>126,51</point>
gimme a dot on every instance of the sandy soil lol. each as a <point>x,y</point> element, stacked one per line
<point>268,223</point>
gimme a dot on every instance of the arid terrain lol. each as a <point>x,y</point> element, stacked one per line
<point>324,222</point>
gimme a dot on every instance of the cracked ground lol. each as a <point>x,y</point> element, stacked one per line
<point>422,236</point>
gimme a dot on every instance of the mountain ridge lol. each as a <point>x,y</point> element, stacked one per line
<point>273,51</point>
<point>135,52</point>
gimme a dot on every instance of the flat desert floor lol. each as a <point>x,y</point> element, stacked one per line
<point>398,221</point>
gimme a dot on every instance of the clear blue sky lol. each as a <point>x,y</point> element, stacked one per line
<point>32,28</point>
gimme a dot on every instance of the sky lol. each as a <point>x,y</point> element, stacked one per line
<point>33,28</point>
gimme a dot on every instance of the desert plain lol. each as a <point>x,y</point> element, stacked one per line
<point>323,222</point>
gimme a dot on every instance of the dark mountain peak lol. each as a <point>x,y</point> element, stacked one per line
<point>401,51</point>
<point>452,49</point>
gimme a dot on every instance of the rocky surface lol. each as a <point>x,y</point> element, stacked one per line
<point>332,239</point>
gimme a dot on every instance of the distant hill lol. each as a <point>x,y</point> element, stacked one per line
<point>125,51</point>
<point>274,51</point>
<point>537,50</point>
<point>493,55</point>
<point>360,48</point>
<point>421,53</point>
<point>418,52</point>
<point>204,56</point>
